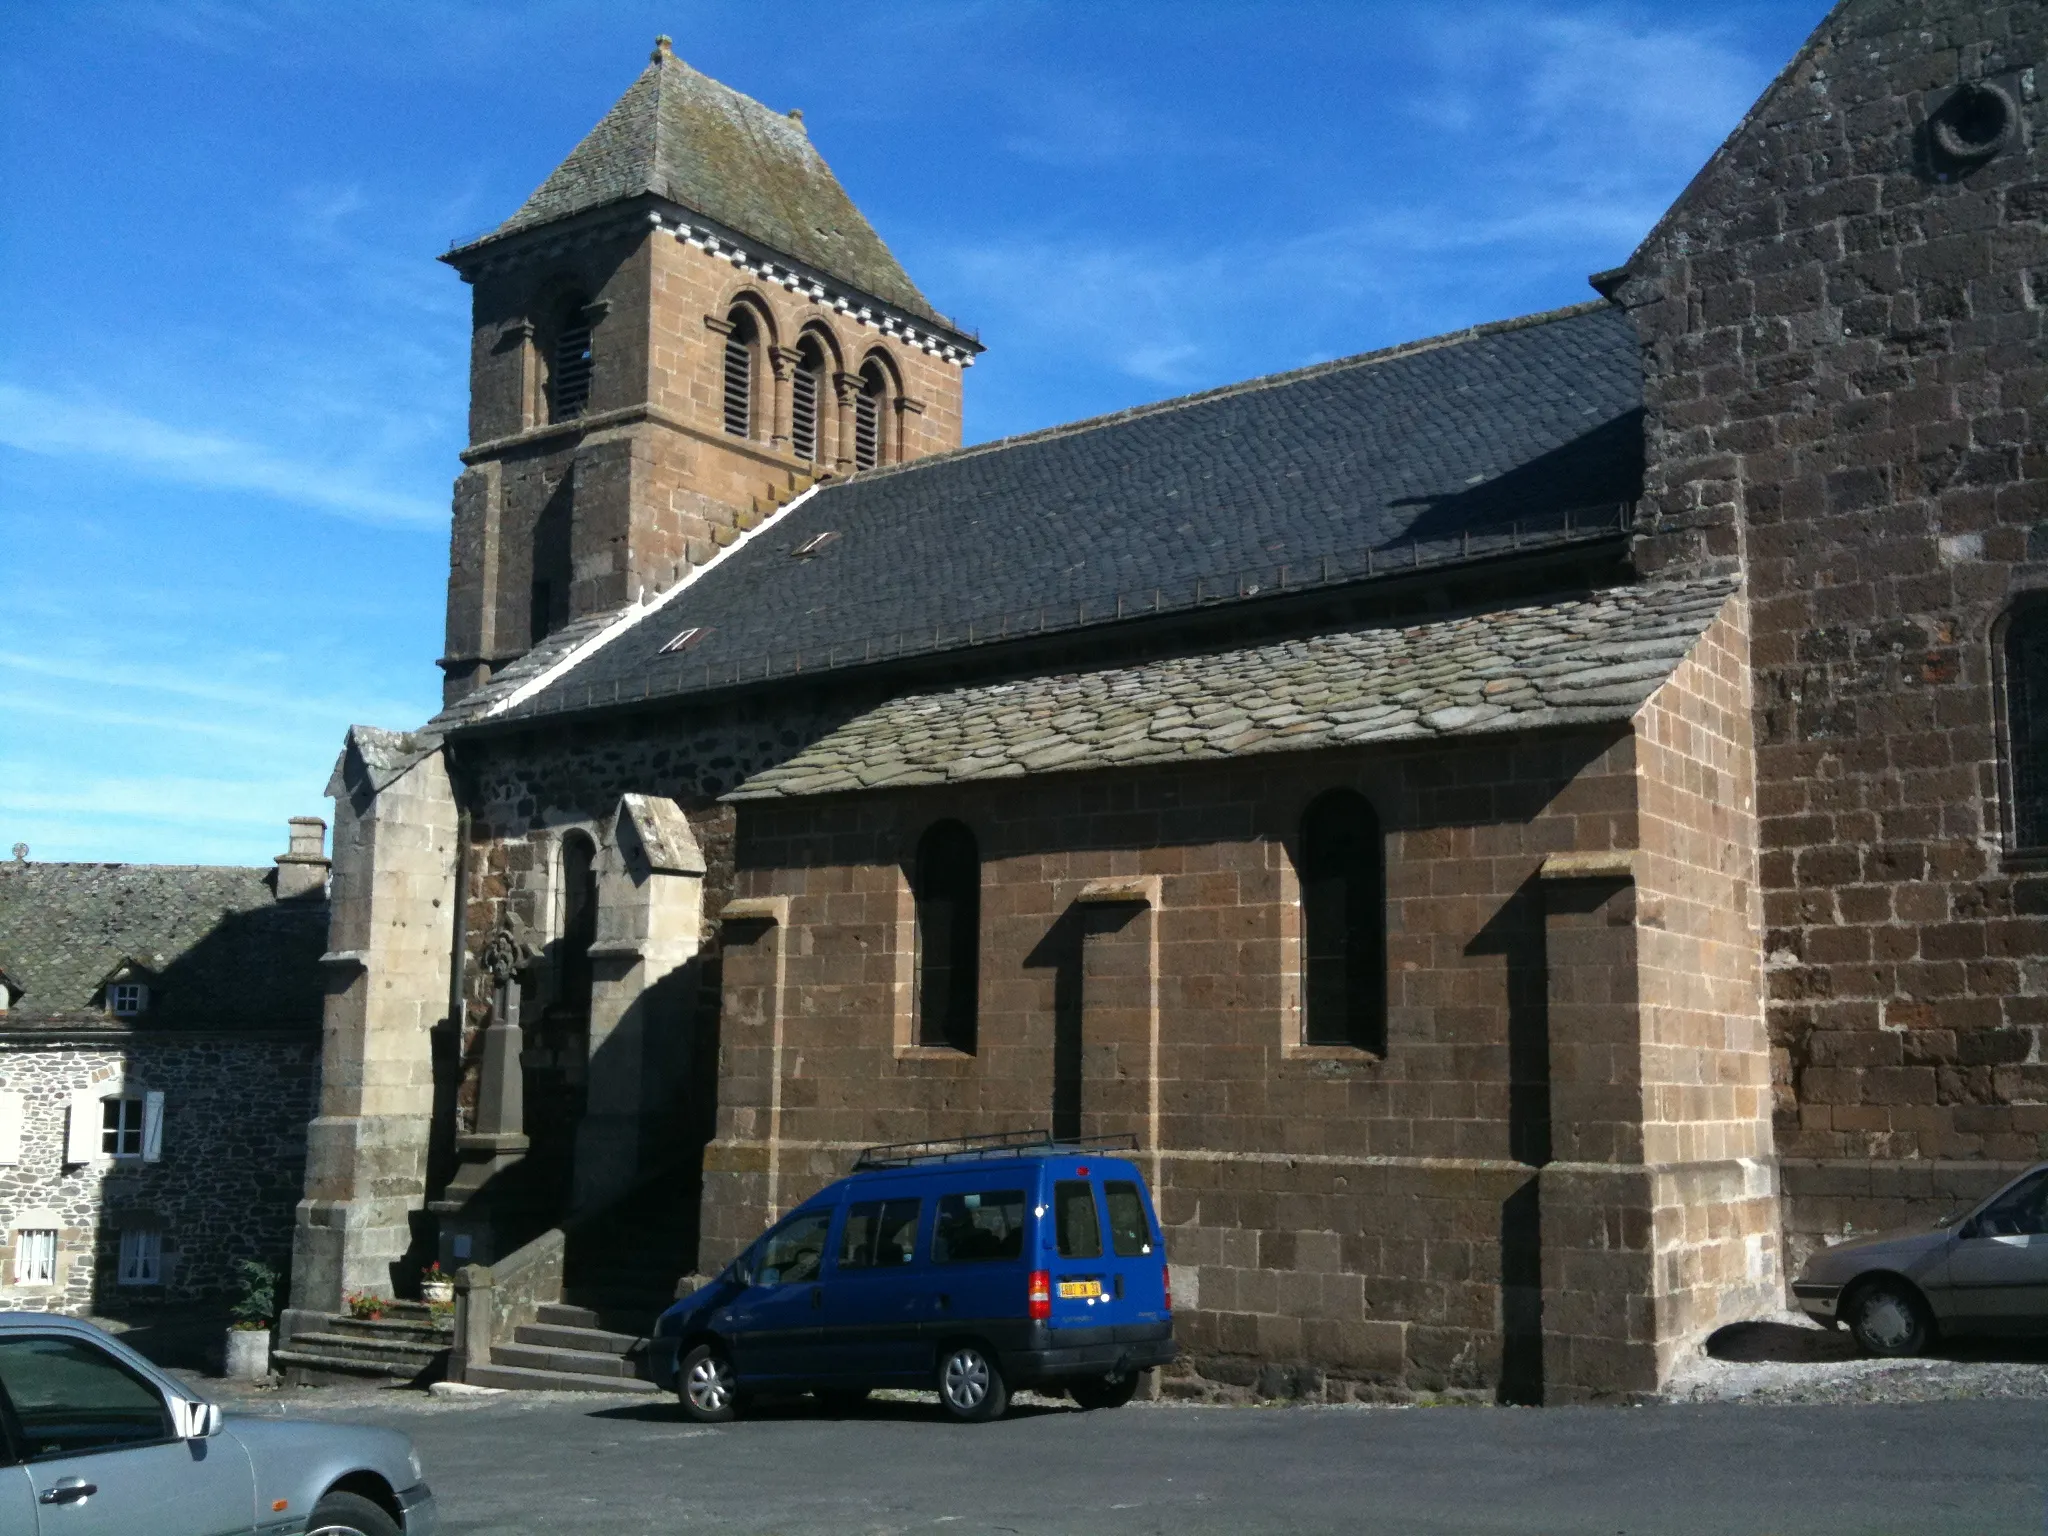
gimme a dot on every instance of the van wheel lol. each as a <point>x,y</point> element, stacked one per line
<point>1889,1318</point>
<point>1104,1391</point>
<point>341,1513</point>
<point>970,1385</point>
<point>707,1386</point>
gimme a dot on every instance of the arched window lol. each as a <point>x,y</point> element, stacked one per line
<point>579,922</point>
<point>806,388</point>
<point>868,413</point>
<point>947,888</point>
<point>570,360</point>
<point>2026,703</point>
<point>1343,909</point>
<point>740,344</point>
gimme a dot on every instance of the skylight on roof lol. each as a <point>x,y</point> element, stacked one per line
<point>686,639</point>
<point>814,543</point>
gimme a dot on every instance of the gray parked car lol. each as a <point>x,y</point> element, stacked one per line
<point>1981,1270</point>
<point>96,1441</point>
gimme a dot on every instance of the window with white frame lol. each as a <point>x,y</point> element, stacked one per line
<point>127,998</point>
<point>142,1256</point>
<point>35,1256</point>
<point>121,1127</point>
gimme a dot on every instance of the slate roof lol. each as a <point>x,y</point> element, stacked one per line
<point>682,135</point>
<point>1589,660</point>
<point>1468,443</point>
<point>225,954</point>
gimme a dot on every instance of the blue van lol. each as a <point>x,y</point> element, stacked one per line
<point>974,1266</point>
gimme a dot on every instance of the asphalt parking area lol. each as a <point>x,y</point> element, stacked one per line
<point>562,1462</point>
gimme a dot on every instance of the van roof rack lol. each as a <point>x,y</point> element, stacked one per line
<point>953,1149</point>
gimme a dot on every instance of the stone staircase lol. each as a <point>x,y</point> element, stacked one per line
<point>409,1344</point>
<point>619,1273</point>
<point>565,1351</point>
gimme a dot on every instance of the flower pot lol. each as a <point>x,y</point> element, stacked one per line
<point>437,1290</point>
<point>248,1354</point>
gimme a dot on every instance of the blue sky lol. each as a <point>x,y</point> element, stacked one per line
<point>232,376</point>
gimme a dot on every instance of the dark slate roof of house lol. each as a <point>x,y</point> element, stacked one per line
<point>681,135</point>
<point>222,953</point>
<point>1590,660</point>
<point>1464,444</point>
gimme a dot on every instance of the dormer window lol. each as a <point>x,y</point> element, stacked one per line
<point>126,999</point>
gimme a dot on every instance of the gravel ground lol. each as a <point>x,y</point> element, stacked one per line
<point>1790,1358</point>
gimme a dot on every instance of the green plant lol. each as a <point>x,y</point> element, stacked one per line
<point>365,1306</point>
<point>255,1302</point>
<point>432,1275</point>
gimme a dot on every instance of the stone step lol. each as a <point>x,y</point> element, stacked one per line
<point>576,1362</point>
<point>556,1336</point>
<point>562,1315</point>
<point>412,1356</point>
<point>315,1368</point>
<point>524,1379</point>
<point>434,1334</point>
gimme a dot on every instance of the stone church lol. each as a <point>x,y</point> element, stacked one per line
<point>1529,830</point>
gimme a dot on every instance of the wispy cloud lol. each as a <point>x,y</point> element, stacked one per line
<point>56,426</point>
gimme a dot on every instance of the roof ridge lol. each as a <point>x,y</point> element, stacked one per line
<point>16,866</point>
<point>1242,387</point>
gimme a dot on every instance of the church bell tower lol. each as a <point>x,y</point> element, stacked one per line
<point>687,324</point>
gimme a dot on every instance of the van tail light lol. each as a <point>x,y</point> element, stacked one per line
<point>1166,1283</point>
<point>1041,1295</point>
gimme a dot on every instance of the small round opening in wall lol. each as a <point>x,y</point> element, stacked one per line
<point>1974,123</point>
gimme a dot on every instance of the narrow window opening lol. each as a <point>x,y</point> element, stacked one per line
<point>142,1256</point>
<point>1343,908</point>
<point>2026,693</point>
<point>739,374</point>
<point>867,417</point>
<point>805,389</point>
<point>35,1256</point>
<point>579,922</point>
<point>121,1127</point>
<point>570,365</point>
<point>947,889</point>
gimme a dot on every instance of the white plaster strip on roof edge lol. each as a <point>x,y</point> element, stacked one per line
<point>638,611</point>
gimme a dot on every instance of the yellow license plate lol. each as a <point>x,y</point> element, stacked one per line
<point>1072,1288</point>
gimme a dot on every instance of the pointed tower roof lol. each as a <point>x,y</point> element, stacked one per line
<point>683,136</point>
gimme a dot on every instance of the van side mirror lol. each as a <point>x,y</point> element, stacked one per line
<point>196,1420</point>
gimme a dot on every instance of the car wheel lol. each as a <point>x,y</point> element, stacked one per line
<point>1888,1317</point>
<point>350,1514</point>
<point>971,1387</point>
<point>1104,1391</point>
<point>707,1386</point>
<point>841,1400</point>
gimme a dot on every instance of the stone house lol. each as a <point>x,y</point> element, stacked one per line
<point>159,1057</point>
<point>1528,830</point>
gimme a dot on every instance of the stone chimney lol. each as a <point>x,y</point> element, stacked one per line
<point>302,868</point>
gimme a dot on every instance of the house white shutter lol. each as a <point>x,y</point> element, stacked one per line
<point>82,1143</point>
<point>152,1127</point>
<point>10,1127</point>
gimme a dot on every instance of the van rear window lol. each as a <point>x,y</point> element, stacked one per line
<point>1130,1234</point>
<point>988,1224</point>
<point>879,1233</point>
<point>1080,1231</point>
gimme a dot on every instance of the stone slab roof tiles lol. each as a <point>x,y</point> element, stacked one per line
<point>1590,659</point>
<point>683,136</point>
<point>221,951</point>
<point>1463,442</point>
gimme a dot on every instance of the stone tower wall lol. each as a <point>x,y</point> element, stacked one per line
<point>647,481</point>
<point>1846,345</point>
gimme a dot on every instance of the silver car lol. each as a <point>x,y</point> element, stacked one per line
<point>1982,1270</point>
<point>96,1441</point>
